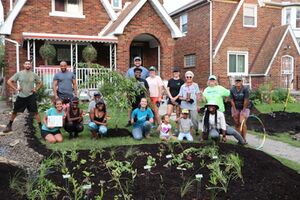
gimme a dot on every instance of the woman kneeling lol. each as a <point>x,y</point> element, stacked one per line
<point>49,132</point>
<point>98,124</point>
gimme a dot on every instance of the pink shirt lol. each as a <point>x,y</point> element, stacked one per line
<point>155,86</point>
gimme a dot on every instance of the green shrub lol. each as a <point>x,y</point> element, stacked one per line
<point>89,54</point>
<point>92,65</point>
<point>2,53</point>
<point>47,52</point>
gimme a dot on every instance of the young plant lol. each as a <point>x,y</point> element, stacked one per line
<point>187,186</point>
<point>93,153</point>
<point>73,155</point>
<point>234,164</point>
<point>151,161</point>
<point>131,152</point>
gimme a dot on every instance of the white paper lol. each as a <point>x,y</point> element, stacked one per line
<point>55,121</point>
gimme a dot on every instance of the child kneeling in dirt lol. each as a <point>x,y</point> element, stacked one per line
<point>165,128</point>
<point>49,132</point>
<point>214,124</point>
<point>185,126</point>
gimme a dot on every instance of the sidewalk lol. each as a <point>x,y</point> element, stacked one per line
<point>272,147</point>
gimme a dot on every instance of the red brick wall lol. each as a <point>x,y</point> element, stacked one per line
<point>146,21</point>
<point>196,42</point>
<point>241,38</point>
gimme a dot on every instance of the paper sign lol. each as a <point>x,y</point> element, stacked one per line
<point>169,156</point>
<point>215,157</point>
<point>66,176</point>
<point>55,121</point>
<point>86,187</point>
<point>198,176</point>
<point>147,167</point>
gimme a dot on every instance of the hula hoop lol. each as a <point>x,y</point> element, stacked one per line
<point>259,147</point>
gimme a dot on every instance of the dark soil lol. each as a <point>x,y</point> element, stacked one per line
<point>264,177</point>
<point>118,132</point>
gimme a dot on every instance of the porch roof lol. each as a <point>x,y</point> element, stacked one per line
<point>68,38</point>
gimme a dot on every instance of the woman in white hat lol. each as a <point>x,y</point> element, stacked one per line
<point>214,125</point>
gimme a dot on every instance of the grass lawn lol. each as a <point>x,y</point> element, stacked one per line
<point>267,108</point>
<point>291,164</point>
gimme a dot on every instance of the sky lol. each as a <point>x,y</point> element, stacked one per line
<point>171,5</point>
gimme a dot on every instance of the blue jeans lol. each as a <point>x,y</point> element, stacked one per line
<point>101,130</point>
<point>139,131</point>
<point>214,133</point>
<point>188,136</point>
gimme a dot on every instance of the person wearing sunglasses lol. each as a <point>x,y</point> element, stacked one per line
<point>189,95</point>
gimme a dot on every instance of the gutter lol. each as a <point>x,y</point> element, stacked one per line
<point>17,52</point>
<point>210,38</point>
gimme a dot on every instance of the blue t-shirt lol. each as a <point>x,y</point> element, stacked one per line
<point>144,75</point>
<point>52,112</point>
<point>65,82</point>
<point>141,116</point>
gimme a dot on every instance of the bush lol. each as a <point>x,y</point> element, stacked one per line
<point>2,53</point>
<point>47,52</point>
<point>89,54</point>
<point>92,65</point>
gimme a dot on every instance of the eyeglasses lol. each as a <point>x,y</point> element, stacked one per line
<point>188,77</point>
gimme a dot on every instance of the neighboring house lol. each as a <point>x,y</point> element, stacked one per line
<point>118,29</point>
<point>237,37</point>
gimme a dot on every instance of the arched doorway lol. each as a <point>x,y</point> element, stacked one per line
<point>147,47</point>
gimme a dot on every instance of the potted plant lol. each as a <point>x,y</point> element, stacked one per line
<point>47,52</point>
<point>89,54</point>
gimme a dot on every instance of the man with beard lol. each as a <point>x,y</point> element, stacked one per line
<point>26,97</point>
<point>64,84</point>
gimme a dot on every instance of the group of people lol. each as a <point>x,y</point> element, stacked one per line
<point>183,98</point>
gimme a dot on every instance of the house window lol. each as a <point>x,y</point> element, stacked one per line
<point>298,18</point>
<point>67,8</point>
<point>237,63</point>
<point>184,23</point>
<point>288,16</point>
<point>250,15</point>
<point>190,60</point>
<point>116,4</point>
<point>287,68</point>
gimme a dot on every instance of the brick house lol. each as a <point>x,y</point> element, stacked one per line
<point>118,29</point>
<point>237,37</point>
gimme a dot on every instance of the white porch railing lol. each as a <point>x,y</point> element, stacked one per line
<point>83,76</point>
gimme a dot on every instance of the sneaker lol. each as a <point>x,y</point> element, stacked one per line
<point>7,129</point>
<point>128,124</point>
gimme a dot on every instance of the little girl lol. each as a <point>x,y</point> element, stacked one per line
<point>165,128</point>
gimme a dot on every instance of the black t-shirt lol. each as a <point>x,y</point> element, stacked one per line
<point>239,96</point>
<point>174,86</point>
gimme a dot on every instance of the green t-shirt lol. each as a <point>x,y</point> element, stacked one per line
<point>26,79</point>
<point>216,94</point>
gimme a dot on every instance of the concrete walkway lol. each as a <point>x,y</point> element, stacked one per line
<point>272,147</point>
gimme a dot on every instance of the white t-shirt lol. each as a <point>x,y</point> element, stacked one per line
<point>155,84</point>
<point>221,123</point>
<point>165,130</point>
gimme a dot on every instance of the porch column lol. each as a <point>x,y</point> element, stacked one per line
<point>158,59</point>
<point>74,56</point>
<point>113,57</point>
<point>31,53</point>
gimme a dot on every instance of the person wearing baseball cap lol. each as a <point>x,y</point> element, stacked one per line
<point>215,92</point>
<point>189,94</point>
<point>137,64</point>
<point>240,105</point>
<point>214,125</point>
<point>173,86</point>
<point>185,125</point>
<point>92,104</point>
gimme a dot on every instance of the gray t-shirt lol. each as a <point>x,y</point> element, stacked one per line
<point>185,125</point>
<point>92,105</point>
<point>65,82</point>
<point>26,79</point>
<point>194,90</point>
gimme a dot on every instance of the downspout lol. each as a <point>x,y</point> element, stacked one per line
<point>210,38</point>
<point>17,52</point>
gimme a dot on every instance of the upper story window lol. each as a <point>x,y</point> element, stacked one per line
<point>190,60</point>
<point>288,16</point>
<point>237,63</point>
<point>250,15</point>
<point>116,4</point>
<point>184,23</point>
<point>298,18</point>
<point>67,8</point>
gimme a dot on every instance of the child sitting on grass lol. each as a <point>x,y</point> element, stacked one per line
<point>185,126</point>
<point>165,128</point>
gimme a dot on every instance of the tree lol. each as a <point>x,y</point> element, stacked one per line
<point>47,52</point>
<point>89,54</point>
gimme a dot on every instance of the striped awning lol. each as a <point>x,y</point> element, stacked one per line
<point>68,37</point>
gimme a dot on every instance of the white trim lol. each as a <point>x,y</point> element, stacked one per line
<point>116,7</point>
<point>255,15</point>
<point>109,9</point>
<point>210,39</point>
<point>187,6</point>
<point>175,32</point>
<point>292,63</point>
<point>246,54</point>
<point>1,13</point>
<point>181,24</point>
<point>66,14</point>
<point>277,50</point>
<point>6,28</point>
<point>228,27</point>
